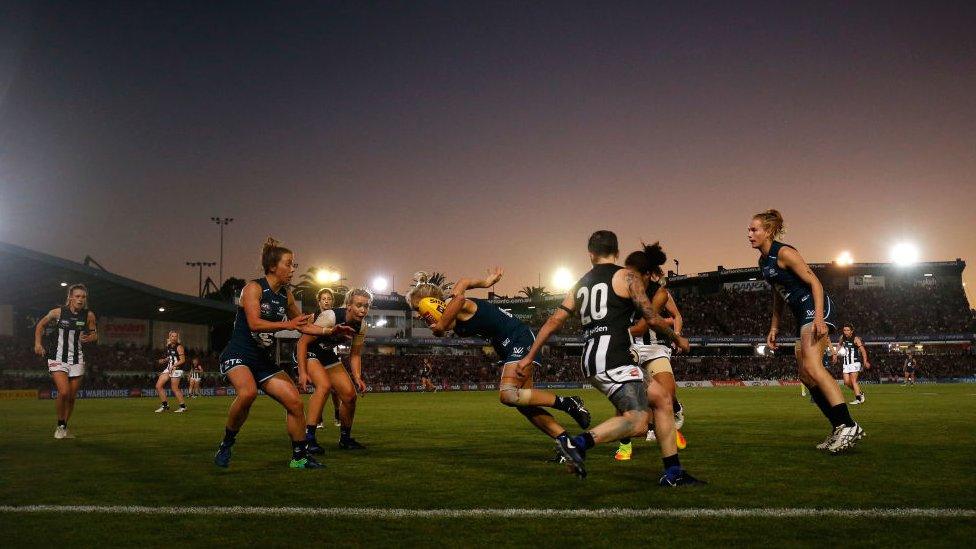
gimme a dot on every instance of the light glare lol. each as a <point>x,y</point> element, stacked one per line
<point>562,279</point>
<point>380,284</point>
<point>845,258</point>
<point>904,253</point>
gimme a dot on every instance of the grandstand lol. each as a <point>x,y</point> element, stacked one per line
<point>921,307</point>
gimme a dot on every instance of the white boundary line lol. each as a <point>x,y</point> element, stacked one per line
<point>393,513</point>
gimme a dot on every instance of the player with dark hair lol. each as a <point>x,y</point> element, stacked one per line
<point>74,326</point>
<point>654,357</point>
<point>909,370</point>
<point>319,363</point>
<point>606,299</point>
<point>267,306</point>
<point>425,375</point>
<point>511,339</point>
<point>851,348</point>
<point>796,286</point>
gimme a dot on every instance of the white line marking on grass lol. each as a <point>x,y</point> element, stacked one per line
<point>393,513</point>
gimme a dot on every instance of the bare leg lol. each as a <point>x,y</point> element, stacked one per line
<point>74,385</point>
<point>316,403</point>
<point>281,388</point>
<point>161,386</point>
<point>247,392</point>
<point>174,383</point>
<point>63,387</point>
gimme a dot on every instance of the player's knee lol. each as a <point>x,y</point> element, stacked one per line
<point>248,395</point>
<point>512,395</point>
<point>637,422</point>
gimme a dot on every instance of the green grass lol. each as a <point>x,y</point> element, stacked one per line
<point>464,450</point>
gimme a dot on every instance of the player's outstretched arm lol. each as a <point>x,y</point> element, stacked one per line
<point>864,352</point>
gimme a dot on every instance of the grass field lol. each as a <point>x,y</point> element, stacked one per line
<point>464,451</point>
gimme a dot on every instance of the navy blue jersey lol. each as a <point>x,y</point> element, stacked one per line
<point>330,342</point>
<point>508,335</point>
<point>794,291</point>
<point>274,308</point>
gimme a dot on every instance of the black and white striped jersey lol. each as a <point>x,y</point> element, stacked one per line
<point>606,319</point>
<point>649,337</point>
<point>65,342</point>
<point>852,355</point>
<point>172,355</point>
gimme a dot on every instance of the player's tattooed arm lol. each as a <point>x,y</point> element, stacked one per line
<point>638,295</point>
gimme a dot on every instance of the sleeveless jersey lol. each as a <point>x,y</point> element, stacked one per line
<point>606,319</point>
<point>330,342</point>
<point>794,291</point>
<point>66,337</point>
<point>853,354</point>
<point>495,325</point>
<point>649,337</point>
<point>274,308</point>
<point>172,355</point>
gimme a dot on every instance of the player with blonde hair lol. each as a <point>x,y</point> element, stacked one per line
<point>174,360</point>
<point>511,339</point>
<point>797,287</point>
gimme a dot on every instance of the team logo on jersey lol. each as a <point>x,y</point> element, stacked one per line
<point>506,342</point>
<point>518,350</point>
<point>265,308</point>
<point>810,312</point>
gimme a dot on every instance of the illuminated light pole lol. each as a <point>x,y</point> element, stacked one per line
<point>221,222</point>
<point>200,265</point>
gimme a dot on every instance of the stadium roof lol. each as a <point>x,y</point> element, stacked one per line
<point>40,276</point>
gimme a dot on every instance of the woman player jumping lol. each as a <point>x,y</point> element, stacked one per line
<point>795,285</point>
<point>472,317</point>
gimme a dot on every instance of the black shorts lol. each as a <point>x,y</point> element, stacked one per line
<point>326,357</point>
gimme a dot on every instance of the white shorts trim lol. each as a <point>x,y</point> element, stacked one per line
<point>73,370</point>
<point>333,365</point>
<point>608,381</point>
<point>643,354</point>
<point>852,368</point>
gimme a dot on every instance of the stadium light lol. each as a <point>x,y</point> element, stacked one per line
<point>327,276</point>
<point>381,322</point>
<point>162,309</point>
<point>845,258</point>
<point>761,350</point>
<point>64,284</point>
<point>904,253</point>
<point>562,279</point>
<point>380,284</point>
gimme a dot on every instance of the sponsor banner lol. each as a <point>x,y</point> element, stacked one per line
<point>727,383</point>
<point>790,382</point>
<point>560,385</point>
<point>747,286</point>
<point>750,270</point>
<point>694,383</point>
<point>18,394</point>
<point>761,383</point>
<point>858,282</point>
<point>127,331</point>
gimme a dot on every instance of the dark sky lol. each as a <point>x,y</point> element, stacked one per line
<point>393,137</point>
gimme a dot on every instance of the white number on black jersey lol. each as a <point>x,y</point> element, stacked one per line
<point>596,297</point>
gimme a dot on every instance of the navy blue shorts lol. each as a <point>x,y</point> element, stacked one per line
<point>804,315</point>
<point>262,366</point>
<point>326,357</point>
<point>516,347</point>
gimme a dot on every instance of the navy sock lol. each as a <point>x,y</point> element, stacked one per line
<point>344,433</point>
<point>165,404</point>
<point>625,441</point>
<point>675,405</point>
<point>584,441</point>
<point>840,415</point>
<point>298,449</point>
<point>671,461</point>
<point>821,401</point>
<point>229,437</point>
<point>309,432</point>
<point>564,434</point>
<point>62,423</point>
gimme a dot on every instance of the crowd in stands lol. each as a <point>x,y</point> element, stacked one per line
<point>912,310</point>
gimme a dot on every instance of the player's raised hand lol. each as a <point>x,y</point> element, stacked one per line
<point>494,275</point>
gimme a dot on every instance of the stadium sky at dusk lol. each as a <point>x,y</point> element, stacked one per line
<point>452,137</point>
